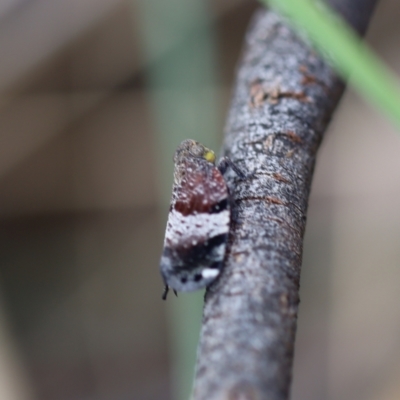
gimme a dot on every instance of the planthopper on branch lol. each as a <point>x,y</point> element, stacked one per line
<point>198,221</point>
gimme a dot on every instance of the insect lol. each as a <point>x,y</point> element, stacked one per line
<point>198,221</point>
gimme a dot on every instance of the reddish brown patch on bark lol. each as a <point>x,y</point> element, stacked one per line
<point>243,391</point>
<point>257,93</point>
<point>290,153</point>
<point>301,96</point>
<point>280,178</point>
<point>294,137</point>
<point>268,199</point>
<point>309,79</point>
<point>274,200</point>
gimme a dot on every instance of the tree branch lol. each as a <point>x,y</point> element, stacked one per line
<point>284,98</point>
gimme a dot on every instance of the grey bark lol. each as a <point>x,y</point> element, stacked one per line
<point>283,100</point>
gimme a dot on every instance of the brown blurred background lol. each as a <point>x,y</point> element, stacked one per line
<point>81,227</point>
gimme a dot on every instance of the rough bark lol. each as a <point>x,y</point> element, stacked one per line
<point>283,100</point>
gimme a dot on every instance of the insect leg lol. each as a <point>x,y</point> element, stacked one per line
<point>165,293</point>
<point>226,162</point>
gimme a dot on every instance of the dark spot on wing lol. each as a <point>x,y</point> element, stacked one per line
<point>197,278</point>
<point>220,206</point>
<point>190,257</point>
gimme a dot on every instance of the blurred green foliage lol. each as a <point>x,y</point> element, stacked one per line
<point>178,43</point>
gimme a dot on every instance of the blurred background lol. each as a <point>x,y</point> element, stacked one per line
<point>94,97</point>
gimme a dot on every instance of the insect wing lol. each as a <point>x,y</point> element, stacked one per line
<point>197,228</point>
